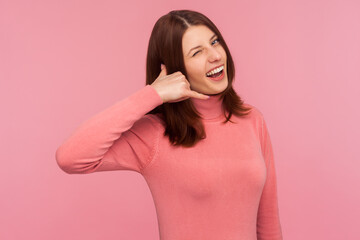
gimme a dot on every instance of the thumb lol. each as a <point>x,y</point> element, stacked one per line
<point>163,70</point>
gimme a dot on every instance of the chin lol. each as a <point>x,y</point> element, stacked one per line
<point>210,89</point>
<point>214,92</point>
<point>219,91</point>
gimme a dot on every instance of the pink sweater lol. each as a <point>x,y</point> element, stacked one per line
<point>224,188</point>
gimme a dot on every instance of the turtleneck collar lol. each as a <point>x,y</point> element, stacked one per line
<point>210,108</point>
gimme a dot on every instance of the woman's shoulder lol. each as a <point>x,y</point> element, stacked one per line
<point>148,128</point>
<point>254,119</point>
<point>255,112</point>
<point>154,119</point>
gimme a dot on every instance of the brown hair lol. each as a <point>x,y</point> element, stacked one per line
<point>183,124</point>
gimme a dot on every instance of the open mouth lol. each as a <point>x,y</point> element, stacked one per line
<point>216,72</point>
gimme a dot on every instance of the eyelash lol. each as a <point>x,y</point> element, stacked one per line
<point>212,42</point>
<point>216,40</point>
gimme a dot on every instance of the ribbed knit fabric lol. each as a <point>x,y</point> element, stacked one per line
<point>224,188</point>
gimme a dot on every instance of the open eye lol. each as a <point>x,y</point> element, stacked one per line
<point>215,41</point>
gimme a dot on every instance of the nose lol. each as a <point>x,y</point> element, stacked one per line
<point>214,55</point>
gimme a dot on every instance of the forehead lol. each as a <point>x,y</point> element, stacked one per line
<point>196,35</point>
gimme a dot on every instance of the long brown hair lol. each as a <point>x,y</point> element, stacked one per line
<point>183,124</point>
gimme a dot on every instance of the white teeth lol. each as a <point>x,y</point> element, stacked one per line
<point>216,70</point>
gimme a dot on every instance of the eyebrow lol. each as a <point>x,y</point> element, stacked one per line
<point>200,46</point>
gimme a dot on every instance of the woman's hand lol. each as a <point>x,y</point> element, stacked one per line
<point>174,87</point>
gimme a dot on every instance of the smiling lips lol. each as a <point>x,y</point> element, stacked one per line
<point>215,72</point>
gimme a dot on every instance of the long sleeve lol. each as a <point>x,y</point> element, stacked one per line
<point>268,220</point>
<point>120,137</point>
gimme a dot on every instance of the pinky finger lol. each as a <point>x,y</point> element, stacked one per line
<point>198,95</point>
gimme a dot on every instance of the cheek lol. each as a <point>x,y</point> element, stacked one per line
<point>223,52</point>
<point>195,70</point>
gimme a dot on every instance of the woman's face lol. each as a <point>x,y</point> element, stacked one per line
<point>202,54</point>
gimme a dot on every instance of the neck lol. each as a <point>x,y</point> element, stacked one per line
<point>209,108</point>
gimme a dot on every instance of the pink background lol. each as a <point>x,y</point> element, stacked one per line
<point>63,61</point>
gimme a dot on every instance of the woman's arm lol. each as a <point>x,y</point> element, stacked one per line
<point>268,220</point>
<point>118,138</point>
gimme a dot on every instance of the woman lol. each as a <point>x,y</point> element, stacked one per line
<point>205,155</point>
